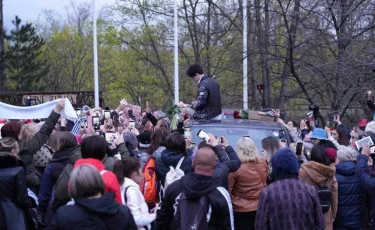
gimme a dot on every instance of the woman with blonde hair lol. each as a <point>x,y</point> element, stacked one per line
<point>246,184</point>
<point>92,208</point>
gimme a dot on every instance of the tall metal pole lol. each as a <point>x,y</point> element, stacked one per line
<point>176,82</point>
<point>96,73</point>
<point>245,88</point>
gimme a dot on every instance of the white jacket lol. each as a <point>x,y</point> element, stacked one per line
<point>137,205</point>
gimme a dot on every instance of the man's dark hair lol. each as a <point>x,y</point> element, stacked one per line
<point>94,147</point>
<point>176,142</point>
<point>194,70</point>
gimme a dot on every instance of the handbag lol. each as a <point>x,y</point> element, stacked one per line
<point>36,218</point>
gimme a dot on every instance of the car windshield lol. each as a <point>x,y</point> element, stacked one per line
<point>233,134</point>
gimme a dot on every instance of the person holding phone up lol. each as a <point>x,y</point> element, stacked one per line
<point>208,102</point>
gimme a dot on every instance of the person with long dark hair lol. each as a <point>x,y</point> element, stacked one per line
<point>319,172</point>
<point>66,142</point>
<point>270,145</point>
<point>129,176</point>
<point>174,152</point>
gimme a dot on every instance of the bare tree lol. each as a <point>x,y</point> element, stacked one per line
<point>2,61</point>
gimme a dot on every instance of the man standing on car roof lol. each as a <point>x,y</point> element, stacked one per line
<point>208,102</point>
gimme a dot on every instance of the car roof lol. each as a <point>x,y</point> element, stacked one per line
<point>238,123</point>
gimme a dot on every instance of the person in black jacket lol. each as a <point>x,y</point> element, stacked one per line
<point>92,209</point>
<point>367,181</point>
<point>13,190</point>
<point>351,196</point>
<point>66,143</point>
<point>175,150</point>
<point>228,160</point>
<point>29,147</point>
<point>208,102</point>
<point>194,186</point>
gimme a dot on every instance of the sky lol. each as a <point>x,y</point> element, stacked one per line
<point>29,10</point>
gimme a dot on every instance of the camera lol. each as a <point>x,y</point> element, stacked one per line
<point>314,107</point>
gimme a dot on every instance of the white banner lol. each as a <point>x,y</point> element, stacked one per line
<point>37,111</point>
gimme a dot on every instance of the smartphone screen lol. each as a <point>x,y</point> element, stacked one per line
<point>130,113</point>
<point>131,124</point>
<point>107,115</point>
<point>110,137</point>
<point>299,148</point>
<point>96,122</point>
<point>187,132</point>
<point>203,135</point>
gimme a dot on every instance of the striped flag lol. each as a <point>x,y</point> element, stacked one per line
<point>76,127</point>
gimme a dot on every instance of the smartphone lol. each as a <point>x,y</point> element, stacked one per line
<point>187,132</point>
<point>131,124</point>
<point>96,122</point>
<point>107,115</point>
<point>110,137</point>
<point>367,141</point>
<point>299,149</point>
<point>203,135</point>
<point>130,113</point>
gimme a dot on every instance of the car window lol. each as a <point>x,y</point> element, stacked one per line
<point>233,134</point>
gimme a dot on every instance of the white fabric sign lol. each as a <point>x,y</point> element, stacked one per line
<point>37,111</point>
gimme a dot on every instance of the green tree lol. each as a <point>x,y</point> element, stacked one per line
<point>24,64</point>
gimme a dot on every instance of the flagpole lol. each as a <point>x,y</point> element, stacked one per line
<point>245,87</point>
<point>176,81</point>
<point>96,72</point>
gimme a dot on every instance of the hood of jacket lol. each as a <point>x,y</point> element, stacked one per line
<point>104,205</point>
<point>171,157</point>
<point>195,185</point>
<point>318,173</point>
<point>346,168</point>
<point>7,160</point>
<point>91,161</point>
<point>75,155</point>
<point>62,154</point>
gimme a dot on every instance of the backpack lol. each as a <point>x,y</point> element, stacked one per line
<point>325,197</point>
<point>149,185</point>
<point>192,214</point>
<point>174,174</point>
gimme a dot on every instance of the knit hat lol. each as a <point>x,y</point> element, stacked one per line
<point>362,123</point>
<point>331,154</point>
<point>284,164</point>
<point>370,127</point>
<point>319,134</point>
<point>131,140</point>
<point>144,139</point>
<point>166,123</point>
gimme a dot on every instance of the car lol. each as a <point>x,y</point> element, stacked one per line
<point>233,130</point>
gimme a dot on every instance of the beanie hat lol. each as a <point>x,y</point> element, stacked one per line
<point>166,123</point>
<point>284,164</point>
<point>370,127</point>
<point>362,123</point>
<point>331,154</point>
<point>144,139</point>
<point>131,140</point>
<point>319,134</point>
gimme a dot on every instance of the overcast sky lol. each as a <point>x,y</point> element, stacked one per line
<point>28,10</point>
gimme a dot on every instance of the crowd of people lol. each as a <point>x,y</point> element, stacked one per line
<point>148,176</point>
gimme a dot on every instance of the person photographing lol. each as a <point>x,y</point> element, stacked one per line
<point>208,101</point>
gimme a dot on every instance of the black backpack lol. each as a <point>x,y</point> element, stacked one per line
<point>192,214</point>
<point>325,197</point>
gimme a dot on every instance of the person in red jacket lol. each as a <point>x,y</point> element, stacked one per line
<point>93,151</point>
